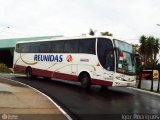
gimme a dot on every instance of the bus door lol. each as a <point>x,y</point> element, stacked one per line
<point>106,57</point>
<point>109,65</point>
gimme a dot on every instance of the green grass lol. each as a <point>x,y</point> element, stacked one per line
<point>4,68</point>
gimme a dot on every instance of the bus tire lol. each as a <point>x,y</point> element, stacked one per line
<point>29,72</point>
<point>85,81</point>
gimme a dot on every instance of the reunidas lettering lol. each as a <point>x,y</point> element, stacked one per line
<point>48,58</point>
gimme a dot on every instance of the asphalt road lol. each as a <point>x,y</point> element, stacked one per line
<point>96,103</point>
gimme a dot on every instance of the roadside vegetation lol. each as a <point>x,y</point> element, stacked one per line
<point>4,68</point>
<point>148,50</point>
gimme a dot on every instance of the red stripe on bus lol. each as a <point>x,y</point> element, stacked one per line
<point>45,73</point>
<point>58,75</point>
<point>65,76</point>
<point>101,82</point>
<point>19,69</point>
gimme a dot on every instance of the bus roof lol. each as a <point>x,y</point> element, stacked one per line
<point>70,38</point>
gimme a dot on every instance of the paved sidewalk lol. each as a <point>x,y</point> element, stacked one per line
<point>146,84</point>
<point>20,102</point>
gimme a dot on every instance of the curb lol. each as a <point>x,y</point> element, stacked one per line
<point>145,91</point>
<point>64,113</point>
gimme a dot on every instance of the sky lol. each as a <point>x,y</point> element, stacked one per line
<point>125,19</point>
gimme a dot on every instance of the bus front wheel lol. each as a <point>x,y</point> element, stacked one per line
<point>85,81</point>
<point>29,72</point>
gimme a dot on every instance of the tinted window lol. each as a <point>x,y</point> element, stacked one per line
<point>106,53</point>
<point>71,46</point>
<point>34,47</point>
<point>24,47</point>
<point>51,46</point>
<point>87,46</point>
<point>58,46</point>
<point>68,46</point>
<point>18,48</point>
<point>44,47</point>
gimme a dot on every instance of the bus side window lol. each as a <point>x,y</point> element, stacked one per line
<point>34,47</point>
<point>44,47</point>
<point>58,46</point>
<point>25,48</point>
<point>71,46</point>
<point>18,48</point>
<point>52,47</point>
<point>87,46</point>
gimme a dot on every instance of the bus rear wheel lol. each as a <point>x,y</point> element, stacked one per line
<point>85,81</point>
<point>29,72</point>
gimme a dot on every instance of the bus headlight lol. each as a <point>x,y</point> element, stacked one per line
<point>120,78</point>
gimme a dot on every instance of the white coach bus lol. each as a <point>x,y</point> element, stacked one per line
<point>89,60</point>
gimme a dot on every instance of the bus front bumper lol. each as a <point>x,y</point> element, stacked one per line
<point>124,83</point>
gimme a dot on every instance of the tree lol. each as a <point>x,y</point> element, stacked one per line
<point>91,32</point>
<point>153,50</point>
<point>135,48</point>
<point>156,49</point>
<point>143,49</point>
<point>106,34</point>
<point>150,52</point>
<point>149,48</point>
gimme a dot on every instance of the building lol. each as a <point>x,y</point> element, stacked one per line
<point>7,48</point>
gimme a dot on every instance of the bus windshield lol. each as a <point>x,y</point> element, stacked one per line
<point>125,60</point>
